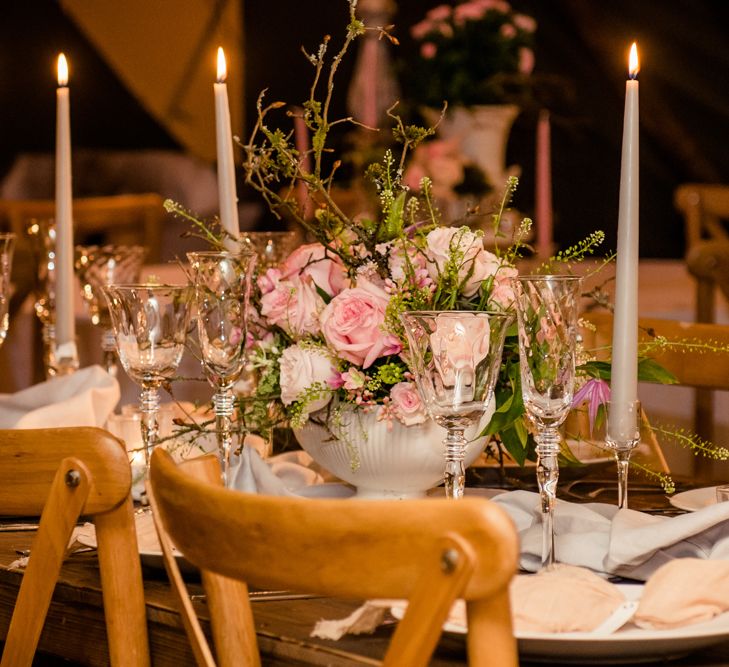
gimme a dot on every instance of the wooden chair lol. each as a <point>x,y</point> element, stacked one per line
<point>61,473</point>
<point>428,551</point>
<point>705,209</point>
<point>702,370</point>
<point>122,219</point>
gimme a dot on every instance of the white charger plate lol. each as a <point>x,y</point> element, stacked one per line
<point>629,644</point>
<point>695,499</point>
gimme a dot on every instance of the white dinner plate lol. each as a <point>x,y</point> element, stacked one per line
<point>629,644</point>
<point>695,499</point>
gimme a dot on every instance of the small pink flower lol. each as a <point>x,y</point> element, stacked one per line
<point>354,379</point>
<point>507,30</point>
<point>352,325</point>
<point>524,22</point>
<point>407,404</point>
<point>422,29</point>
<point>439,13</point>
<point>469,11</point>
<point>428,50</point>
<point>526,60</point>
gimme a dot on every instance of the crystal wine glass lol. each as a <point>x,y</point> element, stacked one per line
<point>42,234</point>
<point>97,267</point>
<point>546,308</point>
<point>455,356</point>
<point>150,322</point>
<point>7,246</point>
<point>222,289</point>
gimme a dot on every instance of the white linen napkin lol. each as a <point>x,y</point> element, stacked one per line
<point>84,398</point>
<point>281,475</point>
<point>622,542</point>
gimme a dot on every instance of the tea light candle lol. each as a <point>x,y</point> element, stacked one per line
<point>622,422</point>
<point>226,166</point>
<point>64,298</point>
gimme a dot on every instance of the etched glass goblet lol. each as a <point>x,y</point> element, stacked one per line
<point>150,323</point>
<point>7,246</point>
<point>546,308</point>
<point>97,267</point>
<point>455,356</point>
<point>222,290</point>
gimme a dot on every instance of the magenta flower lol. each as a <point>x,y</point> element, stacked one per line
<point>596,392</point>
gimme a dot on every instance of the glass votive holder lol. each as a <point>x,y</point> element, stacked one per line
<point>722,493</point>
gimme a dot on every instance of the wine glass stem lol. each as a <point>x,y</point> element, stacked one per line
<point>149,405</point>
<point>108,347</point>
<point>455,473</point>
<point>622,457</point>
<point>224,405</point>
<point>547,476</point>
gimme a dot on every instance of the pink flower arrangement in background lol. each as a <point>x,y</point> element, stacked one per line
<point>474,52</point>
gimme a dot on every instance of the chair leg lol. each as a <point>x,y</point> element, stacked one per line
<point>62,509</point>
<point>121,584</point>
<point>490,635</point>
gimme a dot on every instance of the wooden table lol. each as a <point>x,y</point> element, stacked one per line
<point>75,629</point>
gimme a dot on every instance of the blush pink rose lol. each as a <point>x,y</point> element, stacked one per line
<point>352,325</point>
<point>465,248</point>
<point>325,269</point>
<point>301,368</point>
<point>458,346</point>
<point>407,404</point>
<point>294,305</point>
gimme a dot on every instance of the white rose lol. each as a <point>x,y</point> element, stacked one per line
<point>301,367</point>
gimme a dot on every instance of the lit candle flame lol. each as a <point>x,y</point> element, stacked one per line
<point>62,70</point>
<point>633,64</point>
<point>222,68</point>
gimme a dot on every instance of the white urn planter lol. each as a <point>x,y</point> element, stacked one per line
<point>482,132</point>
<point>402,462</point>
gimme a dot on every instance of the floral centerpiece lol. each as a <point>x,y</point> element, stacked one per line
<point>325,336</point>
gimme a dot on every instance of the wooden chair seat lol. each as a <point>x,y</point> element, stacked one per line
<point>427,551</point>
<point>61,474</point>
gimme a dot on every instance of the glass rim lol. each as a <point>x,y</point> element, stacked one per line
<point>243,252</point>
<point>499,313</point>
<point>107,246</point>
<point>148,286</point>
<point>557,277</point>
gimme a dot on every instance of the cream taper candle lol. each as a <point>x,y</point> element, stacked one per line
<point>65,327</point>
<point>543,177</point>
<point>624,372</point>
<point>226,166</point>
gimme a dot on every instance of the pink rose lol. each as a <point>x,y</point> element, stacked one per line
<point>420,30</point>
<point>465,249</point>
<point>352,324</point>
<point>459,344</point>
<point>502,291</point>
<point>313,260</point>
<point>293,305</point>
<point>407,263</point>
<point>303,367</point>
<point>407,404</point>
